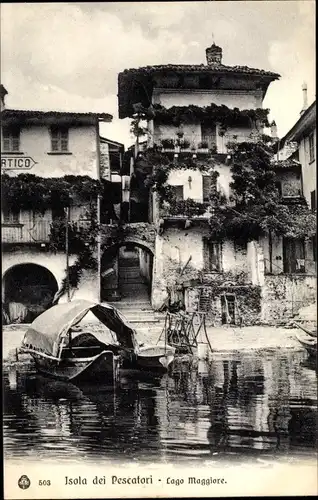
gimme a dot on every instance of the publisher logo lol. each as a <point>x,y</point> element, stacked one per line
<point>24,482</point>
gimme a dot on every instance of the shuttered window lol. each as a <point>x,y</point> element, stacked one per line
<point>9,217</point>
<point>212,256</point>
<point>293,255</point>
<point>11,139</point>
<point>59,139</point>
<point>208,184</point>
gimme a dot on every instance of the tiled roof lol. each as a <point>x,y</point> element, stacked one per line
<point>136,85</point>
<point>217,68</point>
<point>8,112</point>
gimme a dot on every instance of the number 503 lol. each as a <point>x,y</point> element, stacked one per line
<point>44,482</point>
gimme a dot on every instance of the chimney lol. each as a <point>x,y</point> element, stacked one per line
<point>3,93</point>
<point>213,55</point>
<point>273,130</point>
<point>305,98</point>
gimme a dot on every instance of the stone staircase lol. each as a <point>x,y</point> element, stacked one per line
<point>139,313</point>
<point>135,304</point>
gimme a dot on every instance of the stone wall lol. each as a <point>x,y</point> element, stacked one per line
<point>209,299</point>
<point>284,295</point>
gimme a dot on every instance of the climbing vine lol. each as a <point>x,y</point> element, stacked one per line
<point>31,192</point>
<point>258,209</point>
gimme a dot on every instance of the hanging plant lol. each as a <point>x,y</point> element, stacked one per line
<point>28,192</point>
<point>213,113</point>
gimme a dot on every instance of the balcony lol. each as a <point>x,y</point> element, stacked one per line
<point>37,232</point>
<point>186,210</point>
<point>198,145</point>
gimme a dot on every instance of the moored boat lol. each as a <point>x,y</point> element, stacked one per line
<point>63,348</point>
<point>309,343</point>
<point>311,333</point>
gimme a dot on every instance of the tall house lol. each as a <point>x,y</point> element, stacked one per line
<point>300,144</point>
<point>51,173</point>
<point>187,121</point>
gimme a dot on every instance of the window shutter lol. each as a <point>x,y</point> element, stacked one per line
<point>211,256</point>
<point>6,144</point>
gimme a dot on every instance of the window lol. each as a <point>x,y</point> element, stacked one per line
<point>207,185</point>
<point>313,201</point>
<point>208,134</point>
<point>178,192</point>
<point>212,256</point>
<point>293,255</point>
<point>11,139</point>
<point>9,217</point>
<point>278,185</point>
<point>314,247</point>
<point>59,139</point>
<point>311,147</point>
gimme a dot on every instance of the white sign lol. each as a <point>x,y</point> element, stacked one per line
<point>17,162</point>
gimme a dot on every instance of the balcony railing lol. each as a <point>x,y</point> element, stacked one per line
<point>198,144</point>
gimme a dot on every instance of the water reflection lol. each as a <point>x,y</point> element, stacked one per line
<point>238,405</point>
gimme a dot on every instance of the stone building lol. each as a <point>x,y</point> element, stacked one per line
<point>40,148</point>
<point>194,114</point>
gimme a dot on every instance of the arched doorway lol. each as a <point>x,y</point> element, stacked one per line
<point>28,290</point>
<point>127,273</point>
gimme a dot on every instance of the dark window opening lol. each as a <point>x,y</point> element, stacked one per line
<point>278,185</point>
<point>11,138</point>
<point>313,201</point>
<point>314,247</point>
<point>228,309</point>
<point>293,255</point>
<point>208,185</point>
<point>178,192</point>
<point>212,256</point>
<point>311,142</point>
<point>10,217</point>
<point>208,135</point>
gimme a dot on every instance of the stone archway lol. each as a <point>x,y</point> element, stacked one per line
<point>28,290</point>
<point>126,272</point>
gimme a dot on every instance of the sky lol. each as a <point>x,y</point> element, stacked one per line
<point>67,56</point>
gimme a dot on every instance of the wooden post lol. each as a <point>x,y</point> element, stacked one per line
<point>98,250</point>
<point>67,254</point>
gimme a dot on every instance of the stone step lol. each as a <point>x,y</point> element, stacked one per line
<point>133,305</point>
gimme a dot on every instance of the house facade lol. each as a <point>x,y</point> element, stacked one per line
<point>192,115</point>
<point>42,155</point>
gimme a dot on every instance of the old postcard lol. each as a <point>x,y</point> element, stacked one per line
<point>158,223</point>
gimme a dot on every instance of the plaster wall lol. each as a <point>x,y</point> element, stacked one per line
<point>82,159</point>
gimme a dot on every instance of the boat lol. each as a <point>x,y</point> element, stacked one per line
<point>309,343</point>
<point>311,333</point>
<point>64,349</point>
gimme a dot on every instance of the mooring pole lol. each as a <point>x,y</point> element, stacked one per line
<point>98,250</point>
<point>67,254</point>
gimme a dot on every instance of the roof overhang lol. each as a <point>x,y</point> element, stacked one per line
<point>137,85</point>
<point>33,117</point>
<point>304,125</point>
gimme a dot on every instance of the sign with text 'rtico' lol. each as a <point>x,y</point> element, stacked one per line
<point>17,162</point>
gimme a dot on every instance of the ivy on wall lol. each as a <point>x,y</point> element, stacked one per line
<point>255,207</point>
<point>31,192</point>
<point>213,113</point>
<point>177,115</point>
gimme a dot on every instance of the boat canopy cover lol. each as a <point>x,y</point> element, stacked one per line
<point>47,330</point>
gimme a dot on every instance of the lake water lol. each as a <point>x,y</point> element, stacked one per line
<point>257,405</point>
